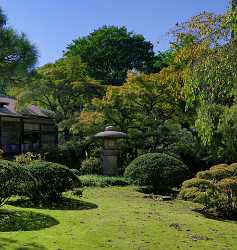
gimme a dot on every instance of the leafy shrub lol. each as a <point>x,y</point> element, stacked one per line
<point>76,172</point>
<point>71,153</point>
<point>27,158</point>
<point>91,165</point>
<point>216,172</point>
<point>51,181</point>
<point>159,171</point>
<point>215,188</point>
<point>103,181</point>
<point>11,178</point>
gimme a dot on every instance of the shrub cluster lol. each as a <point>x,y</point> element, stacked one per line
<point>158,171</point>
<point>71,153</point>
<point>215,188</point>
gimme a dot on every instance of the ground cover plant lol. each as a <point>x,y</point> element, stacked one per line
<point>121,219</point>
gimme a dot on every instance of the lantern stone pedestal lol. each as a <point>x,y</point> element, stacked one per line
<point>110,150</point>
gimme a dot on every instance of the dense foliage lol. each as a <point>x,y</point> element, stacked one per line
<point>17,55</point>
<point>72,153</point>
<point>12,178</point>
<point>207,53</point>
<point>215,188</point>
<point>159,171</point>
<point>91,165</point>
<point>111,51</point>
<point>63,87</point>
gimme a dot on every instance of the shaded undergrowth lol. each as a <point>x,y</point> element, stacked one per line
<point>216,215</point>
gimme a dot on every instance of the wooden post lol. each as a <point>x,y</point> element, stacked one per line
<point>56,135</point>
<point>21,141</point>
<point>40,139</point>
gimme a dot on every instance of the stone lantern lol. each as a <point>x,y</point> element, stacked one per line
<point>110,150</point>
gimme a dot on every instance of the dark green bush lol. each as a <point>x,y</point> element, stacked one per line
<point>12,177</point>
<point>214,188</point>
<point>91,165</point>
<point>159,171</point>
<point>71,153</point>
<point>52,180</point>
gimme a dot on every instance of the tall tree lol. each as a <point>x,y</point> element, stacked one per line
<point>17,55</point>
<point>110,52</point>
<point>210,79</point>
<point>63,87</point>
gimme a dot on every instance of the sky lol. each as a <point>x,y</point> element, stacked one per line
<point>52,24</point>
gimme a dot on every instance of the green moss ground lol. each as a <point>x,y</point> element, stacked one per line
<point>123,220</point>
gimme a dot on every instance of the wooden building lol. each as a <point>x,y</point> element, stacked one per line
<point>24,131</point>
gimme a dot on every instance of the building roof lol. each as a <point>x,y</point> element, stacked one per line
<point>8,107</point>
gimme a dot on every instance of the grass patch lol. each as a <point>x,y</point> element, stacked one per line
<point>103,181</point>
<point>124,219</point>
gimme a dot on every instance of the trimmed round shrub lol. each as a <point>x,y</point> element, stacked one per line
<point>52,180</point>
<point>159,171</point>
<point>12,177</point>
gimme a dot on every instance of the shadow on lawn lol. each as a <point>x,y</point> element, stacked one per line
<point>6,243</point>
<point>63,204</point>
<point>16,220</point>
<point>214,215</point>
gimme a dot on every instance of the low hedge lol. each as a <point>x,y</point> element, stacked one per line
<point>102,181</point>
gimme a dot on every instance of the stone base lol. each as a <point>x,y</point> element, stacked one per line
<point>109,165</point>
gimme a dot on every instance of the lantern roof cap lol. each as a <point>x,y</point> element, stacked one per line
<point>110,132</point>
